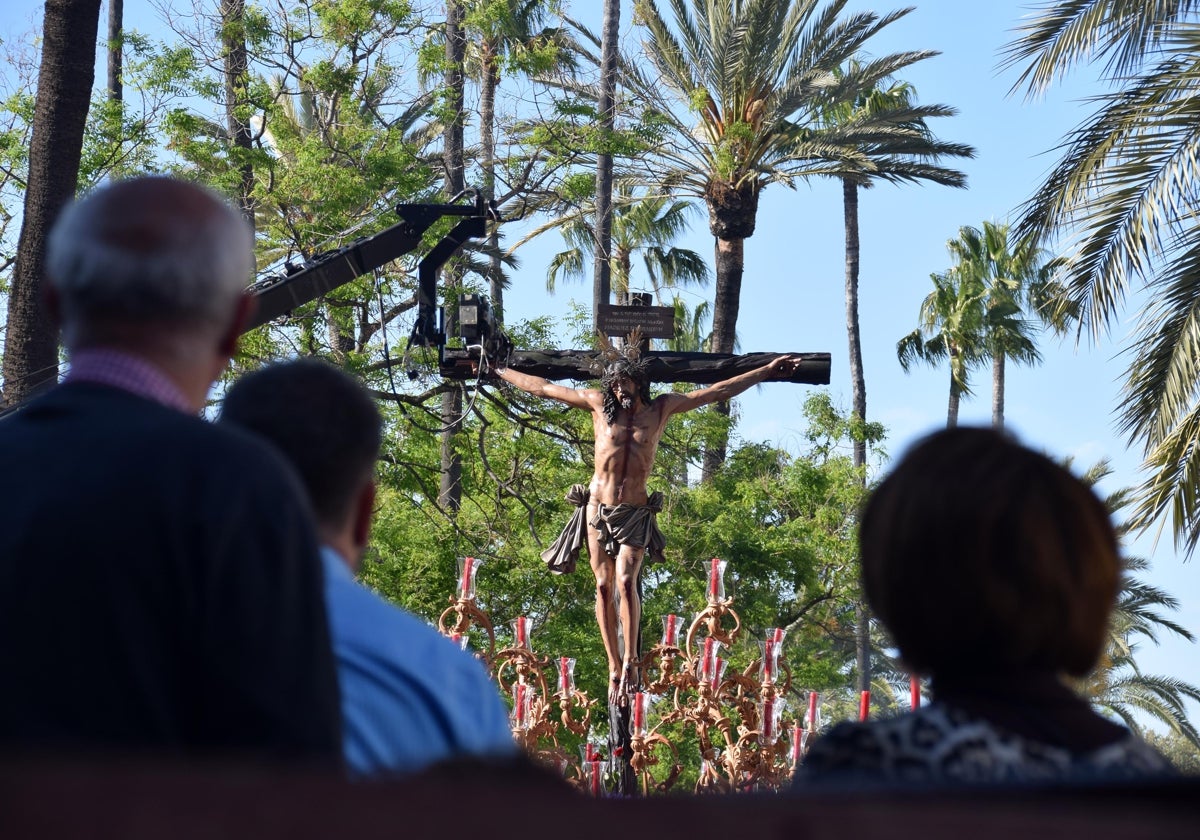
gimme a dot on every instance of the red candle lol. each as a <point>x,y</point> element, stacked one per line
<point>778,636</point>
<point>794,752</point>
<point>468,569</point>
<point>864,705</point>
<point>521,635</point>
<point>519,703</point>
<point>812,710</point>
<point>769,659</point>
<point>595,780</point>
<point>706,666</point>
<point>714,578</point>
<point>914,693</point>
<point>670,631</point>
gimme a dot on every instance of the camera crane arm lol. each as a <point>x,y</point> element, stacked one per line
<point>295,286</point>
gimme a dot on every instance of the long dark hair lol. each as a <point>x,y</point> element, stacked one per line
<point>633,371</point>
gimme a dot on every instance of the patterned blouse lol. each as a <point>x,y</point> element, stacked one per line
<point>943,744</point>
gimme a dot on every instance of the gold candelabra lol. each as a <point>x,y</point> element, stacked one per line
<point>746,753</point>
<point>539,712</point>
<point>747,739</point>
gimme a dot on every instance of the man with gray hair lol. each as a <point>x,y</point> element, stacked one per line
<point>160,587</point>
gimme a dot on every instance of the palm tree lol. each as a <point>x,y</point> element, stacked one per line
<point>951,327</point>
<point>690,334</point>
<point>68,69</point>
<point>1019,278</point>
<point>606,114</point>
<point>741,86</point>
<point>509,30</point>
<point>645,225</point>
<point>1117,685</point>
<point>907,152</point>
<point>1125,189</point>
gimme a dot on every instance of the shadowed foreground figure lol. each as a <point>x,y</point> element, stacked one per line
<point>409,696</point>
<point>160,587</point>
<point>995,571</point>
<point>617,517</point>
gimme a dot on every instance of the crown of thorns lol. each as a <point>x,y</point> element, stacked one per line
<point>627,360</point>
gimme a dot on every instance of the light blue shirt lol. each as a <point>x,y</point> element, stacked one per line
<point>410,697</point>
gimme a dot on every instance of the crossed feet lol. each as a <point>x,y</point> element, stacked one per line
<point>621,684</point>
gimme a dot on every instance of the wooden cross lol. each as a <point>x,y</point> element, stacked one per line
<point>663,366</point>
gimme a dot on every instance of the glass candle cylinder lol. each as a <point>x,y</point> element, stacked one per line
<point>522,713</point>
<point>639,720</point>
<point>566,676</point>
<point>593,777</point>
<point>521,626</point>
<point>771,711</point>
<point>671,624</point>
<point>467,568</point>
<point>717,675</point>
<point>590,751</point>
<point>796,746</point>
<point>716,580</point>
<point>707,665</point>
<point>770,648</point>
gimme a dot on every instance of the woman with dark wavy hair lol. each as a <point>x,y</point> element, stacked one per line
<point>995,571</point>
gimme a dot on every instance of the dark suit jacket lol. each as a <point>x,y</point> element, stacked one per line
<point>160,587</point>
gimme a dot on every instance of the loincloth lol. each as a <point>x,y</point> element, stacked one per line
<point>617,525</point>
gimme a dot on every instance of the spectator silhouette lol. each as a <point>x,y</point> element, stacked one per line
<point>160,587</point>
<point>995,572</point>
<point>410,698</point>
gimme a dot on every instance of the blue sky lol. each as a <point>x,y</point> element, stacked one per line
<point>793,286</point>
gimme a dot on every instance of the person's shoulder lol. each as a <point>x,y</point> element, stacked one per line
<point>871,746</point>
<point>1129,756</point>
<point>380,636</point>
<point>363,618</point>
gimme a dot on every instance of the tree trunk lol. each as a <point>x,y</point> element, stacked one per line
<point>998,391</point>
<point>116,13</point>
<point>65,79</point>
<point>450,487</point>
<point>487,142</point>
<point>237,82</point>
<point>729,266</point>
<point>858,383</point>
<point>602,270</point>
<point>952,408</point>
<point>858,398</point>
<point>862,647</point>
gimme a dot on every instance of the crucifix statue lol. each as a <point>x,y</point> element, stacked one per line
<point>616,516</point>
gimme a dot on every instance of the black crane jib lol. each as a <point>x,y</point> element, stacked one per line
<point>297,285</point>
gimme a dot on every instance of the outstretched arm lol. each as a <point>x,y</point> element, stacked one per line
<point>730,388</point>
<point>544,388</point>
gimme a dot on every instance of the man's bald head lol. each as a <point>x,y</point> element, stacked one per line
<point>150,250</point>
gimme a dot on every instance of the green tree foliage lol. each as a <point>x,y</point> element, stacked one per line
<point>338,140</point>
<point>643,225</point>
<point>1123,195</point>
<point>120,138</point>
<point>1118,686</point>
<point>1182,753</point>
